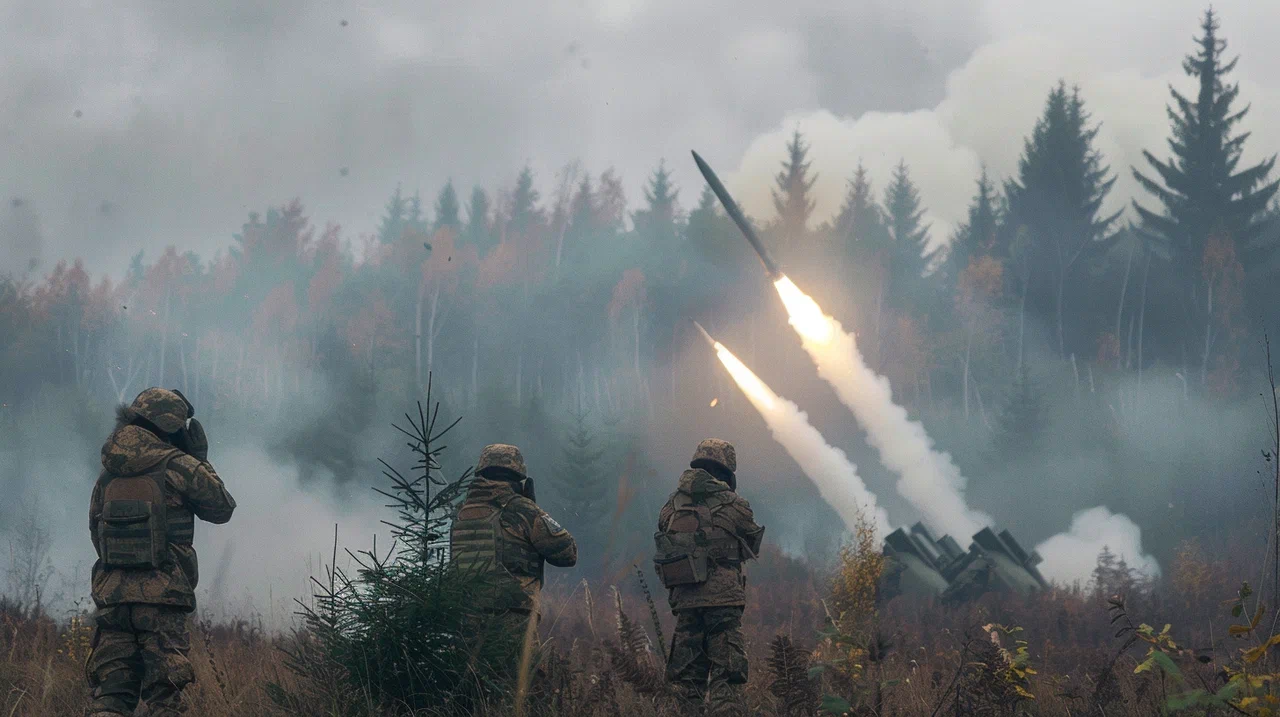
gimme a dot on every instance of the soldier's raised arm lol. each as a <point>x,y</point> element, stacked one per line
<point>549,538</point>
<point>751,534</point>
<point>202,489</point>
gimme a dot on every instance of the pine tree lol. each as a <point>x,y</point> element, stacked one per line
<point>1202,191</point>
<point>478,231</point>
<point>1056,199</point>
<point>392,225</point>
<point>448,209</point>
<point>657,220</point>
<point>976,236</point>
<point>415,219</point>
<point>1021,420</point>
<point>791,197</point>
<point>1199,187</point>
<point>582,484</point>
<point>910,255</point>
<point>710,231</point>
<point>860,223</point>
<point>525,214</point>
<point>582,210</point>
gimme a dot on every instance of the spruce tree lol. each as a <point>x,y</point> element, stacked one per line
<point>1201,189</point>
<point>860,225</point>
<point>910,254</point>
<point>581,484</point>
<point>394,218</point>
<point>525,214</point>
<point>1021,421</point>
<point>657,220</point>
<point>710,231</point>
<point>414,218</point>
<point>1056,200</point>
<point>478,230</point>
<point>791,197</point>
<point>976,236</point>
<point>448,209</point>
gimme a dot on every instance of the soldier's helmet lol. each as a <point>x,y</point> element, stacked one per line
<point>501,455</point>
<point>716,451</point>
<point>166,409</point>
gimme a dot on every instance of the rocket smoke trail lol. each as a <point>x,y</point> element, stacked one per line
<point>827,466</point>
<point>928,478</point>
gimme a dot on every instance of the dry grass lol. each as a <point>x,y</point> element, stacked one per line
<point>914,658</point>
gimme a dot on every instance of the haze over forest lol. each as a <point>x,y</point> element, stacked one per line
<point>297,215</point>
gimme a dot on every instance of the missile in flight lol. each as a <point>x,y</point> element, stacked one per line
<point>705,335</point>
<point>731,208</point>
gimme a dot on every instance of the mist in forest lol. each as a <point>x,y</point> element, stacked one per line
<point>308,214</point>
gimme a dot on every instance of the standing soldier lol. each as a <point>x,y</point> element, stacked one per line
<point>155,481</point>
<point>501,533</point>
<point>706,532</point>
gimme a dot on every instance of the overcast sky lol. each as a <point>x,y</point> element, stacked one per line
<point>135,124</point>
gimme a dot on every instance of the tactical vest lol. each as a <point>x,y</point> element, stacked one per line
<point>692,543</point>
<point>137,525</point>
<point>479,545</point>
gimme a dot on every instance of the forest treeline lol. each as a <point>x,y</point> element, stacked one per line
<point>550,295</point>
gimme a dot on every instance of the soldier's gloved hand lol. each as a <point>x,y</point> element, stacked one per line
<point>528,490</point>
<point>197,443</point>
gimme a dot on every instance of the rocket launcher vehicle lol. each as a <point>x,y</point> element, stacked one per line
<point>920,565</point>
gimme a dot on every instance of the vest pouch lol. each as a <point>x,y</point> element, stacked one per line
<point>679,560</point>
<point>131,533</point>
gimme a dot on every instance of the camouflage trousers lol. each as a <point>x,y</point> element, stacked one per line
<point>139,652</point>
<point>708,659</point>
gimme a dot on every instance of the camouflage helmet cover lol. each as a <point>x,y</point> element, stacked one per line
<point>166,409</point>
<point>718,451</point>
<point>501,455</point>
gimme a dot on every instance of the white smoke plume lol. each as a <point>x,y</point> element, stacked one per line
<point>828,467</point>
<point>1070,557</point>
<point>928,478</point>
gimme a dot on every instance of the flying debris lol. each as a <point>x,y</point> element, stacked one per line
<point>731,208</point>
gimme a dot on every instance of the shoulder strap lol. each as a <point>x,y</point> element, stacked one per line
<point>161,474</point>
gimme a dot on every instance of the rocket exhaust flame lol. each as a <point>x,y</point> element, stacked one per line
<point>928,478</point>
<point>805,314</point>
<point>835,476</point>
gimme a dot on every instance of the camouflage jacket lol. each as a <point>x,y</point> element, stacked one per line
<point>726,584</point>
<point>190,485</point>
<point>528,529</point>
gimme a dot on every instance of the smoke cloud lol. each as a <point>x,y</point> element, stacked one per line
<point>946,145</point>
<point>827,466</point>
<point>1070,557</point>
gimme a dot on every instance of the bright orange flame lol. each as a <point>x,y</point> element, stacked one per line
<point>806,315</point>
<point>714,401</point>
<point>746,380</point>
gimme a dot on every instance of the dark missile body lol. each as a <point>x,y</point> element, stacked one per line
<point>731,208</point>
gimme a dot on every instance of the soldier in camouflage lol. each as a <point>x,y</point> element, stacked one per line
<point>707,579</point>
<point>501,534</point>
<point>141,640</point>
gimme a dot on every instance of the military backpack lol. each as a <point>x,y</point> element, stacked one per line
<point>137,525</point>
<point>691,543</point>
<point>477,544</point>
